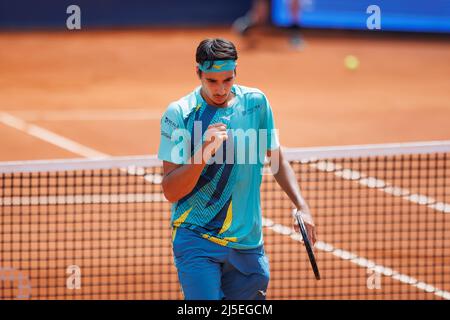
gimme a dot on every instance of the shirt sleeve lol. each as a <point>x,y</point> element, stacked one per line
<point>173,140</point>
<point>268,123</point>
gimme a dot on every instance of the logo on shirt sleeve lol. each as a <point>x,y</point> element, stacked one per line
<point>165,134</point>
<point>251,110</point>
<point>170,123</point>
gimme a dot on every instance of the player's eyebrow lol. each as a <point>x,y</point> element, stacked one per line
<point>214,80</point>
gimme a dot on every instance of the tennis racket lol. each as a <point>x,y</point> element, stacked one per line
<point>308,245</point>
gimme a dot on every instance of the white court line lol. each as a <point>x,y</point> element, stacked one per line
<point>367,150</point>
<point>381,185</point>
<point>90,115</point>
<point>359,261</point>
<point>67,144</point>
<point>50,137</point>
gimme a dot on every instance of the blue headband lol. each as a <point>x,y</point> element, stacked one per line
<point>217,65</point>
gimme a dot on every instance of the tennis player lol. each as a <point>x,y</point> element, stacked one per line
<point>214,184</point>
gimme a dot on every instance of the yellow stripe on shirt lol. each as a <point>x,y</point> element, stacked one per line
<point>182,218</point>
<point>228,219</point>
<point>174,233</point>
<point>223,242</point>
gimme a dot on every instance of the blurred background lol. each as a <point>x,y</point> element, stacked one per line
<point>336,72</point>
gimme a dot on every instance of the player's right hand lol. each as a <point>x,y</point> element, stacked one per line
<point>215,135</point>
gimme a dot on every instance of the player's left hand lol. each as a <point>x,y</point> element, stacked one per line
<point>309,224</point>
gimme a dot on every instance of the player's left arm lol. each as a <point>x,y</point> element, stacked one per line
<point>285,177</point>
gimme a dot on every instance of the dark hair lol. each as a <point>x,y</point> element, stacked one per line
<point>215,49</point>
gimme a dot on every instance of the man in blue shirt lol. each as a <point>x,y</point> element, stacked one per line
<point>213,145</point>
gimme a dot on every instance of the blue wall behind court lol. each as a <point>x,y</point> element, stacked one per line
<point>396,15</point>
<point>24,14</point>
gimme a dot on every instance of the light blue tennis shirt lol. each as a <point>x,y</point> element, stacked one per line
<point>224,206</point>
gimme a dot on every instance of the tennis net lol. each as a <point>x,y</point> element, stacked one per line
<point>99,229</point>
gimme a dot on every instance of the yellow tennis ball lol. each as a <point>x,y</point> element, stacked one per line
<point>351,62</point>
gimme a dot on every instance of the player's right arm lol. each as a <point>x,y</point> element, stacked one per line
<point>180,179</point>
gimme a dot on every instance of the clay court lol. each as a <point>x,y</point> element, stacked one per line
<point>101,93</point>
<point>106,90</point>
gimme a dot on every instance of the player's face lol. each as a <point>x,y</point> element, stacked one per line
<point>217,86</point>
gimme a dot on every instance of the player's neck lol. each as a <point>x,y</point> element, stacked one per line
<point>227,103</point>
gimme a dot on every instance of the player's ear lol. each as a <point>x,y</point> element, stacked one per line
<point>199,72</point>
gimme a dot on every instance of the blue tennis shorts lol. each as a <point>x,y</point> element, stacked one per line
<point>209,271</point>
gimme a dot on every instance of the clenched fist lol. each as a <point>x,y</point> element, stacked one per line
<point>215,135</point>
